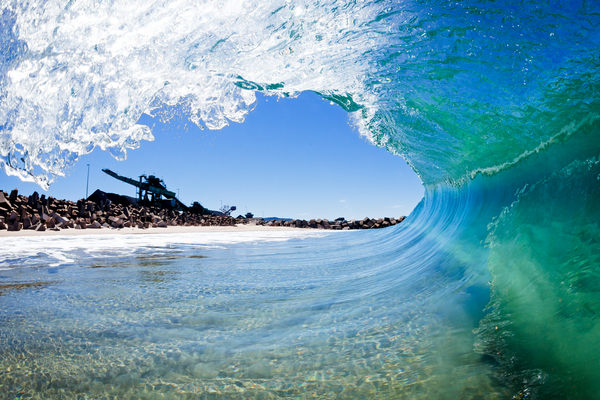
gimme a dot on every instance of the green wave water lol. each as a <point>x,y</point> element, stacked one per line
<point>492,282</point>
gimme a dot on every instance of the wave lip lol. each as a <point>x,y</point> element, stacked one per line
<point>80,76</point>
<point>454,89</point>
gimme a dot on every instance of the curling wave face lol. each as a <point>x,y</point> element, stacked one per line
<point>495,105</point>
<point>454,89</point>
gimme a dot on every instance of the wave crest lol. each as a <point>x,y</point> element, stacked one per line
<point>455,89</point>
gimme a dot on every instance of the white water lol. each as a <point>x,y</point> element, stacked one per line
<point>59,250</point>
<point>79,75</point>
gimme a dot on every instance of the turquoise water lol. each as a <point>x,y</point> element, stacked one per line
<point>488,290</point>
<point>292,315</point>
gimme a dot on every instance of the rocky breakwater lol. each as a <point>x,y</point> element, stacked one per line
<point>337,224</point>
<point>42,213</point>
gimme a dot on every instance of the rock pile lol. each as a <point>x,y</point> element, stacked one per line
<point>338,224</point>
<point>42,213</point>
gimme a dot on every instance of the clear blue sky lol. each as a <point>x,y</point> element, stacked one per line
<point>291,158</point>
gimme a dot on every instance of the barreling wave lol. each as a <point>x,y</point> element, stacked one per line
<point>452,88</point>
<point>495,104</point>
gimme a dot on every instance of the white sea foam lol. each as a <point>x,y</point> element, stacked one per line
<point>80,74</point>
<point>58,250</point>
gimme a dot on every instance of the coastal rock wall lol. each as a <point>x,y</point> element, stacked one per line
<point>42,213</point>
<point>338,224</point>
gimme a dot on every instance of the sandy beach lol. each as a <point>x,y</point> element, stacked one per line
<point>149,231</point>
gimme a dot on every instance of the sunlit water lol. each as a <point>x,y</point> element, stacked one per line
<point>489,289</point>
<point>291,315</point>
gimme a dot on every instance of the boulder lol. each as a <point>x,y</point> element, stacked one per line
<point>13,195</point>
<point>58,218</point>
<point>94,225</point>
<point>4,203</point>
<point>15,226</point>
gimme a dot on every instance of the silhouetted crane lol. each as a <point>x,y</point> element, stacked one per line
<point>150,191</point>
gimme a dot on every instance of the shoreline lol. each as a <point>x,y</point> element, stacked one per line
<point>29,215</point>
<point>149,231</point>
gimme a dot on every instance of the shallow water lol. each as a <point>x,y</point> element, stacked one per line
<point>310,315</point>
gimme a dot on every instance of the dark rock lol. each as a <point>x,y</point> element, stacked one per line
<point>13,195</point>
<point>94,225</point>
<point>117,224</point>
<point>58,218</point>
<point>15,226</point>
<point>4,203</point>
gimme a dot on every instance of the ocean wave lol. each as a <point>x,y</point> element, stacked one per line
<point>493,103</point>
